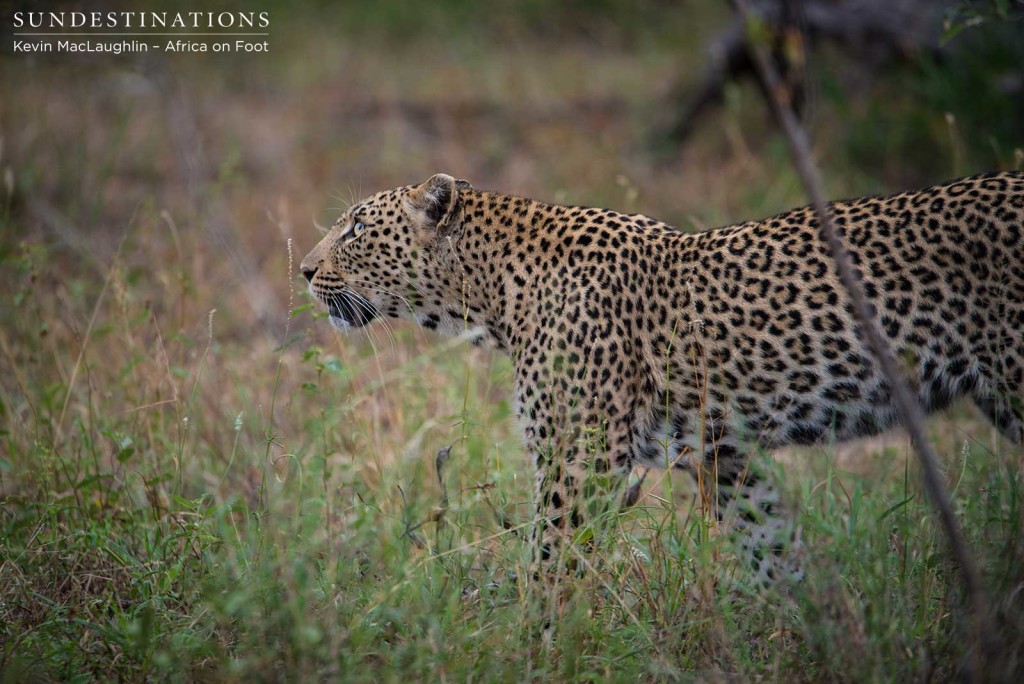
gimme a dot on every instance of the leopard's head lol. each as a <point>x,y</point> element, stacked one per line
<point>383,257</point>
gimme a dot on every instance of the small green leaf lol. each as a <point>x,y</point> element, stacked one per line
<point>952,30</point>
<point>185,503</point>
<point>583,535</point>
<point>895,507</point>
<point>333,365</point>
<point>125,448</point>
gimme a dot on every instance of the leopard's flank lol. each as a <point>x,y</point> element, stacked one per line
<point>637,344</point>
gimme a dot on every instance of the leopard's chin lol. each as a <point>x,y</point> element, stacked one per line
<point>349,310</point>
<point>341,324</point>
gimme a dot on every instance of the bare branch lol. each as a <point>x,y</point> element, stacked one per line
<point>907,405</point>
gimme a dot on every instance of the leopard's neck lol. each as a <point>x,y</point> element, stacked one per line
<point>515,265</point>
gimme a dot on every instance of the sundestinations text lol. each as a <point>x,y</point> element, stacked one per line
<point>141,20</point>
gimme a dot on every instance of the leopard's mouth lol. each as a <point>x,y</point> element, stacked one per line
<point>349,309</point>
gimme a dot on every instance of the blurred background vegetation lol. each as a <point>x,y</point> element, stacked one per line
<point>200,480</point>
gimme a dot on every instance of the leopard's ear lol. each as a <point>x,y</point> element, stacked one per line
<point>435,202</point>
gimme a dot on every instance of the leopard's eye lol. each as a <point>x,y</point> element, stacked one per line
<point>357,229</point>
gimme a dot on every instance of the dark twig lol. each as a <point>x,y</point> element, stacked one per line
<point>907,405</point>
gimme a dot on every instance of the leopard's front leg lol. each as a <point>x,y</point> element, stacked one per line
<point>581,451</point>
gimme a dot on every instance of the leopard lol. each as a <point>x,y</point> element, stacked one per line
<point>639,345</point>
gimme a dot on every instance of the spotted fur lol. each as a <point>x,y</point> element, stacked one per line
<point>636,344</point>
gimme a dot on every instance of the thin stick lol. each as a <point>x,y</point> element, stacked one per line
<point>907,405</point>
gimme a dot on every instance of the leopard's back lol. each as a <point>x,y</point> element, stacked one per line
<point>769,350</point>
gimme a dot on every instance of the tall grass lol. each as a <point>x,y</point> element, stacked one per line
<point>210,537</point>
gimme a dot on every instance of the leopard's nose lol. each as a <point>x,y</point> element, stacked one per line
<point>308,272</point>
